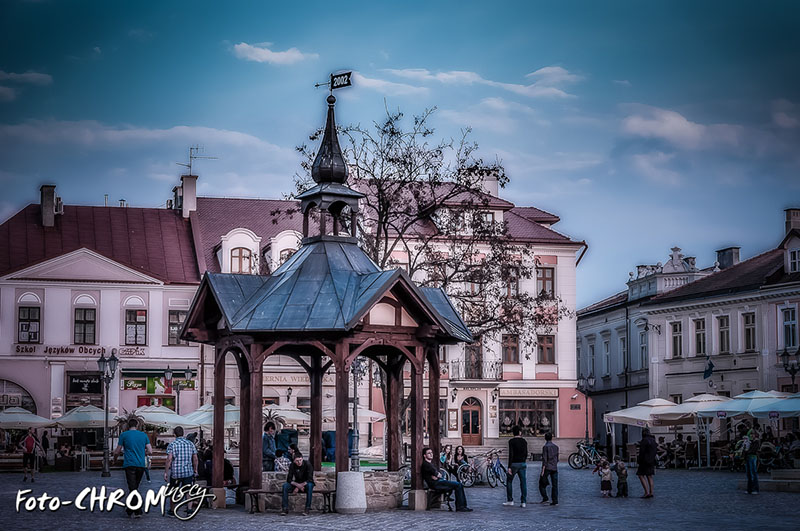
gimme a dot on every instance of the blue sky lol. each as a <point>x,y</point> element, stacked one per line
<point>644,125</point>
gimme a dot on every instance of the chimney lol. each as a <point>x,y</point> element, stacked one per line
<point>189,194</point>
<point>490,185</point>
<point>48,204</point>
<point>728,257</point>
<point>792,219</point>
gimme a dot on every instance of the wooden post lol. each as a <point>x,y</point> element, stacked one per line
<point>256,416</point>
<point>394,399</point>
<point>342,400</point>
<point>416,427</point>
<point>244,424</point>
<point>316,411</point>
<point>434,376</point>
<point>218,462</point>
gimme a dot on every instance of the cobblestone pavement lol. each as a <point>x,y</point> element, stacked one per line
<point>684,500</point>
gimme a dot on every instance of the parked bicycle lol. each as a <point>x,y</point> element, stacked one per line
<point>495,471</point>
<point>586,455</point>
<point>470,472</point>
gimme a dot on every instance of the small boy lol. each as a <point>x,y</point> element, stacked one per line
<point>604,471</point>
<point>622,477</point>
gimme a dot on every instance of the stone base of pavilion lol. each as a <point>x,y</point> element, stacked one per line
<point>384,491</point>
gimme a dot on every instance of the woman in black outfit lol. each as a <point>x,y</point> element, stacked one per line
<point>647,462</point>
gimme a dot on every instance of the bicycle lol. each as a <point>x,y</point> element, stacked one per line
<point>496,472</point>
<point>469,472</point>
<point>586,455</point>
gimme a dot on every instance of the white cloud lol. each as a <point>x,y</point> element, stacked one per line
<point>652,166</point>
<point>389,88</point>
<point>32,78</point>
<point>262,54</point>
<point>495,114</point>
<point>544,87</point>
<point>653,122</point>
<point>7,94</point>
<point>785,114</point>
<point>623,82</point>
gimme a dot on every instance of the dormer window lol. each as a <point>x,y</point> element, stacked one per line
<point>794,261</point>
<point>488,218</point>
<point>241,258</point>
<point>286,254</point>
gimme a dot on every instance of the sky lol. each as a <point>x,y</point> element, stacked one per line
<point>643,125</point>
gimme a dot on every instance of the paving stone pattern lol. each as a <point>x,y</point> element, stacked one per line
<point>684,500</point>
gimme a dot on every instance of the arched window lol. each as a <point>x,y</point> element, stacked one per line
<point>286,254</point>
<point>240,260</point>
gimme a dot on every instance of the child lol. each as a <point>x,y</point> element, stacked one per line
<point>622,477</point>
<point>604,471</point>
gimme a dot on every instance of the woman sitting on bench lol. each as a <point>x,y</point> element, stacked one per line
<point>433,478</point>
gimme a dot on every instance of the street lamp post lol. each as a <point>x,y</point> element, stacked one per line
<point>188,375</point>
<point>107,369</point>
<point>584,386</point>
<point>791,366</point>
<point>357,368</point>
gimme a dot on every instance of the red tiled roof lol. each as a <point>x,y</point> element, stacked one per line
<point>217,216</point>
<point>523,228</point>
<point>606,303</point>
<point>156,242</point>
<point>537,215</point>
<point>748,275</point>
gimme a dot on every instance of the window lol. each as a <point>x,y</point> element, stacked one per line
<point>85,325</point>
<point>677,340</point>
<point>534,417</point>
<point>240,260</point>
<point>176,319</point>
<point>28,327</point>
<point>678,399</point>
<point>286,254</point>
<point>512,282</point>
<point>724,324</point>
<point>488,218</point>
<point>606,358</point>
<point>475,285</point>
<point>794,260</point>
<point>590,368</point>
<point>623,351</point>
<point>135,327</point>
<point>749,322</point>
<point>789,327</point>
<point>545,277</point>
<point>510,348</point>
<point>304,405</point>
<point>643,349</point>
<point>547,352</point>
<point>700,337</point>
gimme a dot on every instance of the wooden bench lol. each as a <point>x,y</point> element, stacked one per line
<point>328,498</point>
<point>439,496</point>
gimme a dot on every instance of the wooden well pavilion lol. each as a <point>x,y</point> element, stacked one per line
<point>320,308</point>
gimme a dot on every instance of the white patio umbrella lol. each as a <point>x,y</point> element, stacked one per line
<point>206,419</point>
<point>688,410</point>
<point>197,413</point>
<point>640,415</point>
<point>22,419</point>
<point>740,405</point>
<point>290,414</point>
<point>164,417</point>
<point>779,409</point>
<point>364,414</point>
<point>85,417</point>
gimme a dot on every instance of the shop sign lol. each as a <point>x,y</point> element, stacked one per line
<point>129,384</point>
<point>61,350</point>
<point>132,351</point>
<point>85,384</point>
<point>550,393</point>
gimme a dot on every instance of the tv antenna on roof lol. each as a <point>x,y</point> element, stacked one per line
<point>193,155</point>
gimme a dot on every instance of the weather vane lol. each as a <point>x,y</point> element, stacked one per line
<point>339,80</point>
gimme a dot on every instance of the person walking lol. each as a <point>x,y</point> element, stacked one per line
<point>300,478</point>
<point>751,446</point>
<point>134,446</point>
<point>549,470</point>
<point>181,465</point>
<point>647,462</point>
<point>29,446</point>
<point>268,447</point>
<point>433,478</point>
<point>517,467</point>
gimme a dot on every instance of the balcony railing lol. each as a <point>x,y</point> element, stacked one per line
<point>476,370</point>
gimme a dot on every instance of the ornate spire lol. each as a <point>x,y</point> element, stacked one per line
<point>329,165</point>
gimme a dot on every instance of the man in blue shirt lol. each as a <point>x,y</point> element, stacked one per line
<point>268,447</point>
<point>133,445</point>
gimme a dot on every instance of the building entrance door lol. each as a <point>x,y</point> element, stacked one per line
<point>471,433</point>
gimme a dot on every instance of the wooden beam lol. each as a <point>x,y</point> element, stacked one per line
<point>315,375</point>
<point>394,399</point>
<point>434,377</point>
<point>245,386</point>
<point>218,462</point>
<point>256,420</point>
<point>418,408</point>
<point>342,402</point>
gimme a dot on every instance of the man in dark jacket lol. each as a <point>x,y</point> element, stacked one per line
<point>300,478</point>
<point>433,479</point>
<point>549,470</point>
<point>517,457</point>
<point>268,447</point>
<point>751,448</point>
<point>648,449</point>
